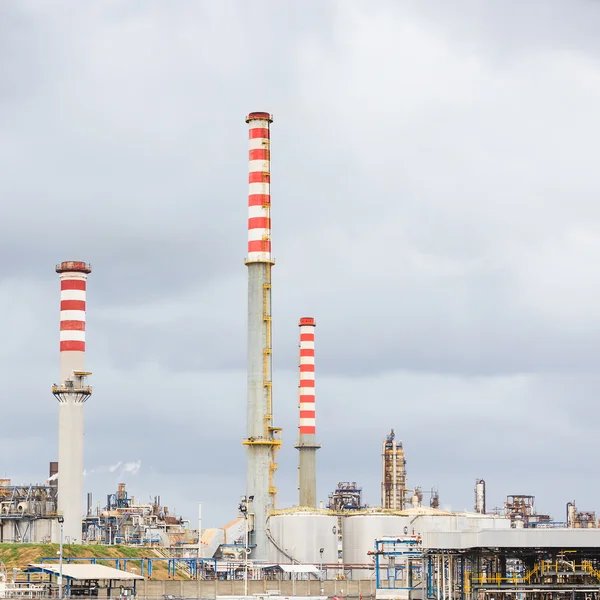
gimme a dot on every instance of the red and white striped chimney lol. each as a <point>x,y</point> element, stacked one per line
<point>73,287</point>
<point>307,376</point>
<point>71,393</point>
<point>307,473</point>
<point>259,192</point>
<point>262,437</point>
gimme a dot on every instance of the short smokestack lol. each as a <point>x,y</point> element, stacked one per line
<point>307,446</point>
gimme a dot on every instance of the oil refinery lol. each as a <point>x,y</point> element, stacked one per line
<point>407,547</point>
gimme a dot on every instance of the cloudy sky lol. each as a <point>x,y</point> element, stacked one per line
<point>435,208</point>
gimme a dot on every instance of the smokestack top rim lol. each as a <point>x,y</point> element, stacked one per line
<point>307,321</point>
<point>74,266</point>
<point>262,116</point>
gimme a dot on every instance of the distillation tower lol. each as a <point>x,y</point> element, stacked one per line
<point>263,439</point>
<point>307,446</point>
<point>71,393</point>
<point>393,482</point>
<point>480,496</point>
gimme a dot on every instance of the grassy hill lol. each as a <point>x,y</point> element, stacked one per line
<point>20,555</point>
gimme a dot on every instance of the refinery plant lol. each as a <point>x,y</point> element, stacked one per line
<point>408,546</point>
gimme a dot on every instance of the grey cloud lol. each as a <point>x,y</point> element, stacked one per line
<point>433,207</point>
<point>509,30</point>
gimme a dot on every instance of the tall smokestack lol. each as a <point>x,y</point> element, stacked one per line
<point>71,393</point>
<point>262,439</point>
<point>307,472</point>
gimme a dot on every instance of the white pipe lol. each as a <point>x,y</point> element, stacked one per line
<point>60,562</point>
<point>394,475</point>
<point>446,595</point>
<point>199,529</point>
<point>444,577</point>
<point>246,554</point>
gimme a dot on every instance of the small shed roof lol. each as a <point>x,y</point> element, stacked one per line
<point>85,572</point>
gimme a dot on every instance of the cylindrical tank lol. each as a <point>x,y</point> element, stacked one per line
<point>431,522</point>
<point>360,531</point>
<point>477,522</point>
<point>302,535</point>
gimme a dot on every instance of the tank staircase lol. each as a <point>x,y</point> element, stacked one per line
<point>182,566</point>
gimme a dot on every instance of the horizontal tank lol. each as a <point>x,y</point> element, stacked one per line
<point>302,535</point>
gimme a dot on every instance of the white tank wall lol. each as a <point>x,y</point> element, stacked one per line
<point>43,530</point>
<point>459,522</point>
<point>359,533</point>
<point>424,523</point>
<point>479,522</point>
<point>301,535</point>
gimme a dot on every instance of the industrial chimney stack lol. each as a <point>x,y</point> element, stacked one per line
<point>307,470</point>
<point>71,393</point>
<point>262,441</point>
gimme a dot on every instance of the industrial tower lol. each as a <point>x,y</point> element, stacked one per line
<point>307,471</point>
<point>71,393</point>
<point>393,483</point>
<point>263,439</point>
<point>480,496</point>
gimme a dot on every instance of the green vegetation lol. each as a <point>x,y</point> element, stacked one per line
<point>20,555</point>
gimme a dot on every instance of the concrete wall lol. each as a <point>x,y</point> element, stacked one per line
<point>211,589</point>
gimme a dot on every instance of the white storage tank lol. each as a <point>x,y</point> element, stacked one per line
<point>424,520</point>
<point>42,530</point>
<point>437,522</point>
<point>301,535</point>
<point>360,531</point>
<point>477,522</point>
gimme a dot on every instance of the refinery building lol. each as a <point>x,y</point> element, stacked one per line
<point>408,546</point>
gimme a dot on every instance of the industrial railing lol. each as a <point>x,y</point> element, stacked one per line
<point>543,569</point>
